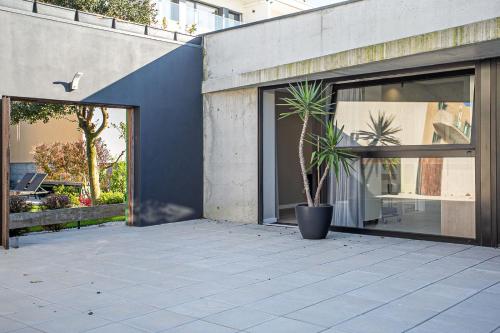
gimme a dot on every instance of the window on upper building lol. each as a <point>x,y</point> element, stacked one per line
<point>234,16</point>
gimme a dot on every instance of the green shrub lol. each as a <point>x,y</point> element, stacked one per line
<point>118,179</point>
<point>18,204</point>
<point>114,179</point>
<point>73,193</point>
<point>56,201</point>
<point>53,227</point>
<point>108,198</point>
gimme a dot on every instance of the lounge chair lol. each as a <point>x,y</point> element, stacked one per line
<point>30,184</point>
<point>23,183</point>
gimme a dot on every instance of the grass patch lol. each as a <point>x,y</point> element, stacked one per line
<point>74,224</point>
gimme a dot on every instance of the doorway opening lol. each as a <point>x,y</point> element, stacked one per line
<point>283,187</point>
<point>65,165</point>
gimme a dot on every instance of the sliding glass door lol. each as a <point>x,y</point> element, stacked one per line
<point>416,171</point>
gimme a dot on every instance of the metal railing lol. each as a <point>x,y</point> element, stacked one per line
<point>183,18</point>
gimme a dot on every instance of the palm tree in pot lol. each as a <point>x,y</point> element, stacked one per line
<point>309,101</point>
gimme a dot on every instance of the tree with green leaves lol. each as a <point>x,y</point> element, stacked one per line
<point>138,11</point>
<point>310,101</point>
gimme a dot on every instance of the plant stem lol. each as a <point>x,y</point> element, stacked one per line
<point>302,160</point>
<point>320,186</point>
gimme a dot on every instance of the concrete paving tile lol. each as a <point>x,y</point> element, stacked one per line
<point>285,325</point>
<point>201,326</point>
<point>380,293</point>
<point>115,328</point>
<point>74,323</point>
<point>27,330</point>
<point>239,318</point>
<point>335,310</point>
<point>158,321</point>
<point>386,319</point>
<point>473,279</point>
<point>445,323</point>
<point>38,314</point>
<point>284,303</point>
<point>200,308</point>
<point>166,299</point>
<point>123,311</point>
<point>8,325</point>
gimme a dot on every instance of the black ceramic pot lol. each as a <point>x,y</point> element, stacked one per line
<point>314,222</point>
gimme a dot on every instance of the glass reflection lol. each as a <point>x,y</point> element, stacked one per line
<point>426,112</point>
<point>418,195</point>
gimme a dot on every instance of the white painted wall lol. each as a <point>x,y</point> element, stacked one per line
<point>269,157</point>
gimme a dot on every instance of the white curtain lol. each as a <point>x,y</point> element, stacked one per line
<point>345,193</point>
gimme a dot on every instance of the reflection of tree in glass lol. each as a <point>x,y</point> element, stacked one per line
<point>391,165</point>
<point>381,131</point>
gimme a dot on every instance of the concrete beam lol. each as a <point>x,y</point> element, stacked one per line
<point>481,38</point>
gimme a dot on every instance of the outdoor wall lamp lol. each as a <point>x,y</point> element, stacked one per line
<point>75,81</point>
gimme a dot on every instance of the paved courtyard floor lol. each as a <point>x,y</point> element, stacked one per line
<point>204,276</point>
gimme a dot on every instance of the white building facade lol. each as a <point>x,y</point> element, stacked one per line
<point>195,17</point>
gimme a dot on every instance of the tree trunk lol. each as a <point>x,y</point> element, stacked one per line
<point>302,160</point>
<point>320,186</point>
<point>85,115</point>
<point>95,186</point>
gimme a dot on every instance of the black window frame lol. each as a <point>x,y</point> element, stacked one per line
<point>423,151</point>
<point>486,229</point>
<point>448,150</point>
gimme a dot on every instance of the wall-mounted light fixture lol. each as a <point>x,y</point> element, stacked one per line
<point>75,81</point>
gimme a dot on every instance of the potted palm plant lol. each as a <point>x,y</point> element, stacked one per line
<point>309,101</point>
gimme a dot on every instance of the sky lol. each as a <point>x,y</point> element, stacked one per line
<point>110,135</point>
<point>319,3</point>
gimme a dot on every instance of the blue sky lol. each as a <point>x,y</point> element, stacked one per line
<point>318,3</point>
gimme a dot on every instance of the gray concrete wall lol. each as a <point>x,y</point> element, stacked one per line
<point>358,37</point>
<point>259,53</point>
<point>163,79</point>
<point>230,155</point>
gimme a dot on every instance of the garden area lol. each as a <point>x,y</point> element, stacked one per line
<point>68,166</point>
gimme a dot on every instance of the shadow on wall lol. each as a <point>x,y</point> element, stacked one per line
<point>169,135</point>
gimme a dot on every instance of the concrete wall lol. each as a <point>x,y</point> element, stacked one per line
<point>333,30</point>
<point>41,54</point>
<point>230,155</point>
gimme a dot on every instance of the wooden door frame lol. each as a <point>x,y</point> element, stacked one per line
<point>132,116</point>
<point>4,171</point>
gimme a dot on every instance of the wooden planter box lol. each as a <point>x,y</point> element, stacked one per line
<point>65,215</point>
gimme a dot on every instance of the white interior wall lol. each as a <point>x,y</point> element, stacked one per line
<point>269,157</point>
